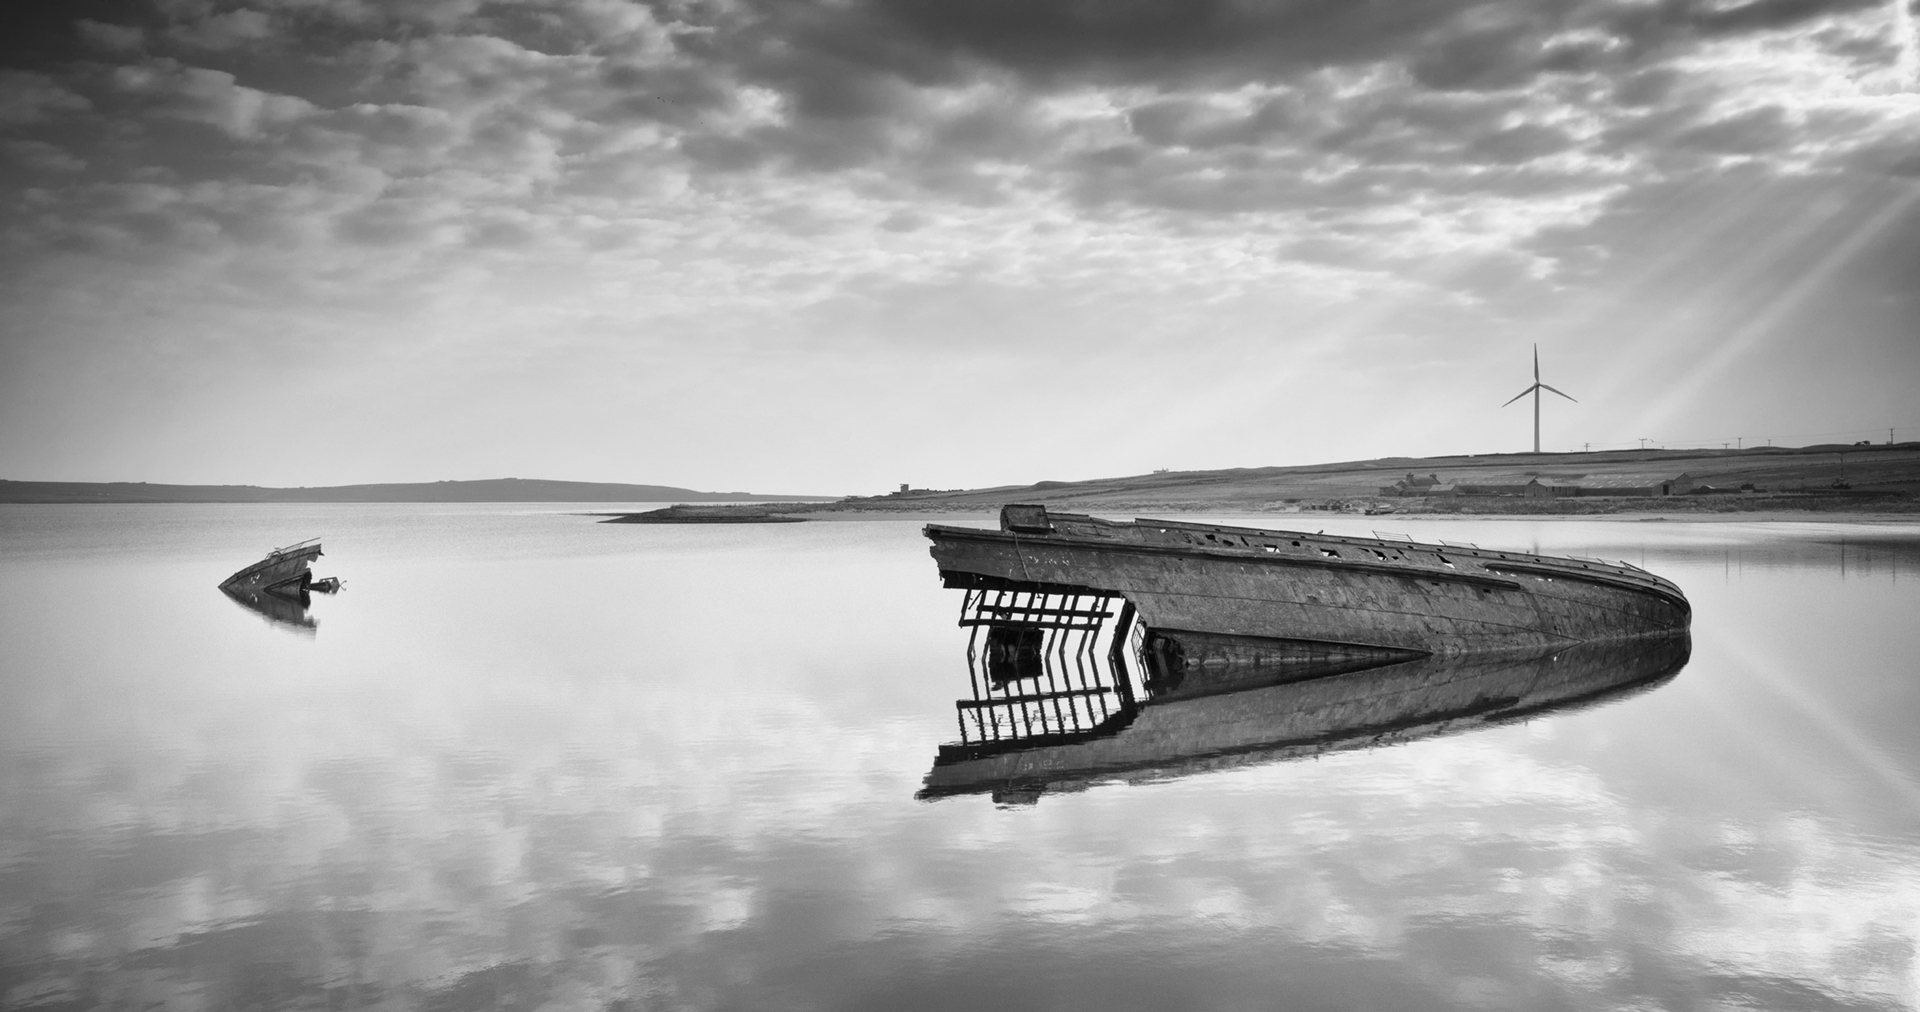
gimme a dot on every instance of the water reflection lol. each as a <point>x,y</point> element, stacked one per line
<point>1056,707</point>
<point>280,608</point>
<point>1849,551</point>
<point>524,772</point>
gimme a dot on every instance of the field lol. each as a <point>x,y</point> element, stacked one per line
<point>1826,479</point>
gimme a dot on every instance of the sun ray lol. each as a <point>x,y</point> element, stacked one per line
<point>1907,38</point>
<point>1743,339</point>
<point>1846,739</point>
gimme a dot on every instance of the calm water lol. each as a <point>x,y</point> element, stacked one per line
<point>526,761</point>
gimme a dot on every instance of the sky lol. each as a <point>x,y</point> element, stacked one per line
<point>830,247</point>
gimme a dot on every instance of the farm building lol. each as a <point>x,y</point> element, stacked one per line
<point>1548,487</point>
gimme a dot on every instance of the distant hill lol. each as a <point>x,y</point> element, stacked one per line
<point>488,490</point>
<point>1788,471</point>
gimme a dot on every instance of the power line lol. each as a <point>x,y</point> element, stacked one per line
<point>1893,435</point>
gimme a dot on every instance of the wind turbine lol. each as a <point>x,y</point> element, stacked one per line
<point>1535,391</point>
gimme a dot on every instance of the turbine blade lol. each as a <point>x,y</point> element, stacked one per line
<point>1523,393</point>
<point>1543,386</point>
<point>1536,363</point>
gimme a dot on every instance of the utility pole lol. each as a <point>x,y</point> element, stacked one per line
<point>1588,447</point>
<point>1738,442</point>
<point>1643,442</point>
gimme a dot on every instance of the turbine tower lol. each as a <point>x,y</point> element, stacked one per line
<point>1535,391</point>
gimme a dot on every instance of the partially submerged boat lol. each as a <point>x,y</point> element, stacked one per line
<point>284,570</point>
<point>1312,594</point>
<point>1256,645</point>
<point>278,586</point>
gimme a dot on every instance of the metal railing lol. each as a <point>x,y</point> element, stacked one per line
<point>1049,666</point>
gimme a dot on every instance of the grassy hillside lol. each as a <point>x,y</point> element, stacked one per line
<point>1785,477</point>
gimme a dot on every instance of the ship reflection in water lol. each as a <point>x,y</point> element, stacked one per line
<point>1056,704</point>
<point>282,608</point>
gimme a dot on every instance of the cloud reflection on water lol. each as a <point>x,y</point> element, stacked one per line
<point>572,783</point>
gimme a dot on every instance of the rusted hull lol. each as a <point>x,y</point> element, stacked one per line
<point>283,571</point>
<point>1282,585</point>
<point>1172,737</point>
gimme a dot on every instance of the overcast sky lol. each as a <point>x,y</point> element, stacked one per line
<point>831,247</point>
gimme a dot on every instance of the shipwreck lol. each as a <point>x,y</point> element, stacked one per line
<point>1101,649</point>
<point>279,586</point>
<point>1314,593</point>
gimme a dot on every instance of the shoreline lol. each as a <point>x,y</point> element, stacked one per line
<point>867,510</point>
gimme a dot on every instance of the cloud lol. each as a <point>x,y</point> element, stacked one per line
<point>213,97</point>
<point>41,156</point>
<point>1393,176</point>
<point>225,30</point>
<point>111,38</point>
<point>28,98</point>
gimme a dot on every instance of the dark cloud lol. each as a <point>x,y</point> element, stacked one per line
<point>1450,44</point>
<point>1166,42</point>
<point>54,34</point>
<point>410,124</point>
<point>872,84</point>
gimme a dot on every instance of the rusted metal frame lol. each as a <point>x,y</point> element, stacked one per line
<point>973,672</point>
<point>1069,637</point>
<point>1028,697</point>
<point>1091,660</point>
<point>1089,665</point>
<point>1084,663</point>
<point>1026,714</point>
<point>1056,612</point>
<point>1079,665</point>
<point>1116,654</point>
<point>1007,623</point>
<point>973,636</point>
<point>1051,643</point>
<point>1081,648</point>
<point>996,716</point>
<point>960,579</point>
